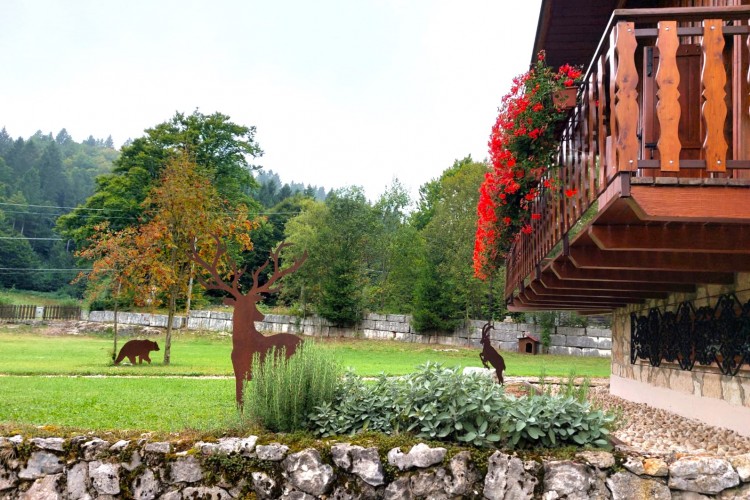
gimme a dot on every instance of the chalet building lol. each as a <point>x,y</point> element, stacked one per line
<point>657,152</point>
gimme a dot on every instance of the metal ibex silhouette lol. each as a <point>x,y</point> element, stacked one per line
<point>246,339</point>
<point>489,354</point>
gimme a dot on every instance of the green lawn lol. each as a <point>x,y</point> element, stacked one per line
<point>41,379</point>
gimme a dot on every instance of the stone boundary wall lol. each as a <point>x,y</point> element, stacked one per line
<point>86,467</point>
<point>565,340</point>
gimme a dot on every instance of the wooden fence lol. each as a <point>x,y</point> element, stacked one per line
<point>29,312</point>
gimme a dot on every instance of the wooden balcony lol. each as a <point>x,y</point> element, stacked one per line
<point>657,151</point>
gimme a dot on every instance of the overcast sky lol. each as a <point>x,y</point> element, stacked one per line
<point>350,92</point>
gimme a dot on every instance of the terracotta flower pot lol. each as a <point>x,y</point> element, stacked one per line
<point>565,98</point>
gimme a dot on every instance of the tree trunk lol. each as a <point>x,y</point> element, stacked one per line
<point>189,291</point>
<point>117,302</point>
<point>170,319</point>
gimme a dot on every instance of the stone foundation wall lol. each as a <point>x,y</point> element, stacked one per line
<point>703,392</point>
<point>565,340</point>
<point>86,467</point>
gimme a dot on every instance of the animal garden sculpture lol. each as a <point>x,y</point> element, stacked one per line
<point>246,339</point>
<point>137,349</point>
<point>489,354</point>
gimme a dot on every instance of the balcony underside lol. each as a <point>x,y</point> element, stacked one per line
<point>649,238</point>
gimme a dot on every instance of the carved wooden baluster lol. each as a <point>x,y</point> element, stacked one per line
<point>626,107</point>
<point>714,79</point>
<point>592,123</point>
<point>601,136</point>
<point>611,149</point>
<point>668,107</point>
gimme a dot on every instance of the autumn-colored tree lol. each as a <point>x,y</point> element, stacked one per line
<point>185,213</point>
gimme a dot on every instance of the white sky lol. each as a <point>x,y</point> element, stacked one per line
<point>350,92</point>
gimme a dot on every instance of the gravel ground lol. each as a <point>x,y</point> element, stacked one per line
<point>648,430</point>
<point>659,432</point>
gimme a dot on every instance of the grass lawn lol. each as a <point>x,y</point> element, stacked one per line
<point>41,383</point>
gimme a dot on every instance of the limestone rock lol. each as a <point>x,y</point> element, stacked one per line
<point>742,464</point>
<point>463,475</point>
<point>205,493</point>
<point>8,478</point>
<point>420,456</point>
<point>134,463</point>
<point>296,495</point>
<point>53,444</point>
<point>185,470</point>
<point>572,481</point>
<point>105,477</point>
<point>44,489</point>
<point>273,452</point>
<point>400,489</point>
<point>356,489</point>
<point>363,462</point>
<point>635,465</point>
<point>741,493</point>
<point>94,448</point>
<point>78,481</point>
<point>17,439</point>
<point>146,486</point>
<point>161,448</point>
<point>119,446</point>
<point>688,495</point>
<point>702,475</point>
<point>207,448</point>
<point>307,472</point>
<point>247,445</point>
<point>428,484</point>
<point>598,459</point>
<point>507,478</point>
<point>40,464</point>
<point>655,467</point>
<point>264,485</point>
<point>171,495</point>
<point>628,486</point>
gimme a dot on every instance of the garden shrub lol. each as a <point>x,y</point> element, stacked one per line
<point>283,392</point>
<point>443,404</point>
<point>357,406</point>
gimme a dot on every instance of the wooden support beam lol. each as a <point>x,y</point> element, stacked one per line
<point>690,203</point>
<point>626,296</point>
<point>594,258</point>
<point>552,282</point>
<point>523,303</point>
<point>729,239</point>
<point>579,301</point>
<point>568,271</point>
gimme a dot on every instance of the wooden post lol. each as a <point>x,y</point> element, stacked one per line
<point>626,107</point>
<point>714,78</point>
<point>668,107</point>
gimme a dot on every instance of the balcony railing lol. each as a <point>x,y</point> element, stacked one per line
<point>634,116</point>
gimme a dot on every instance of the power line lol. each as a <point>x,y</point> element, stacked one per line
<point>24,238</point>
<point>60,208</point>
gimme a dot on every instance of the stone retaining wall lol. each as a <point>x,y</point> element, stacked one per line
<point>565,340</point>
<point>87,467</point>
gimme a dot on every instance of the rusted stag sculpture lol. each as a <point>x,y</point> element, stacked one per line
<point>246,339</point>
<point>489,354</point>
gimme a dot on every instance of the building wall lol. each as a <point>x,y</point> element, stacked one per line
<point>703,393</point>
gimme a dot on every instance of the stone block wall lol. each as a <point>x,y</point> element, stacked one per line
<point>702,393</point>
<point>565,340</point>
<point>88,467</point>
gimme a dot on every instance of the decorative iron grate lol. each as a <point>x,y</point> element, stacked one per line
<point>706,335</point>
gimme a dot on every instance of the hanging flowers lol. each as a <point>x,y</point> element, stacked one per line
<point>522,148</point>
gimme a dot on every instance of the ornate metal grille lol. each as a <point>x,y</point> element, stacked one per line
<point>706,335</point>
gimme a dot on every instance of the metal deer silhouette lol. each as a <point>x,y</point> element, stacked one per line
<point>489,354</point>
<point>246,339</point>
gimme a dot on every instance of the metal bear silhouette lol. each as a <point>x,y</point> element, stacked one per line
<point>246,339</point>
<point>489,354</point>
<point>136,349</point>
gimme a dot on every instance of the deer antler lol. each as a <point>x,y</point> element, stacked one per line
<point>277,274</point>
<point>218,282</point>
